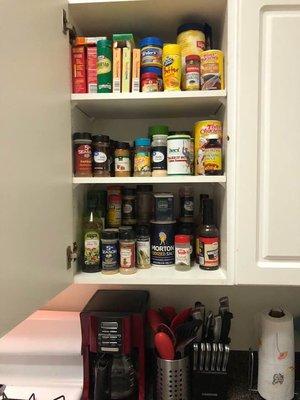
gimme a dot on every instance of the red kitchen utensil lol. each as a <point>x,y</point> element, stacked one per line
<point>164,346</point>
<point>154,319</point>
<point>166,329</point>
<point>180,318</point>
<point>168,312</point>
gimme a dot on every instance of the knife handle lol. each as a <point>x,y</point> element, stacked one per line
<point>195,356</point>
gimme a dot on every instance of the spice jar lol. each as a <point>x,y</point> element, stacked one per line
<point>213,155</point>
<point>182,253</point>
<point>142,162</point>
<point>127,252</point>
<point>143,247</point>
<point>122,159</point>
<point>82,150</point>
<point>159,155</point>
<point>149,82</point>
<point>101,153</point>
<point>158,130</point>
<point>192,72</point>
<point>158,72</point>
<point>114,216</point>
<point>129,207</point>
<point>109,252</point>
<point>144,204</point>
<point>186,196</point>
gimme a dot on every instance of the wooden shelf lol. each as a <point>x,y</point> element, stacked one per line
<point>150,105</point>
<point>156,276</point>
<point>151,180</point>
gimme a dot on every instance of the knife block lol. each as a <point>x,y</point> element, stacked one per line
<point>209,385</point>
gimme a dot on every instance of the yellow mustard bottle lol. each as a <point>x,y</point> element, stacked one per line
<point>171,58</point>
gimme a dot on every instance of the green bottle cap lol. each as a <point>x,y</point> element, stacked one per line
<point>158,130</point>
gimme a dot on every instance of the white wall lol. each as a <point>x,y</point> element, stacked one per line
<point>246,302</point>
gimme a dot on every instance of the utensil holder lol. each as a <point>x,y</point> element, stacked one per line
<point>173,379</point>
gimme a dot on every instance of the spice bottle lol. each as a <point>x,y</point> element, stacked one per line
<point>159,155</point>
<point>143,247</point>
<point>142,162</point>
<point>149,82</point>
<point>171,66</point>
<point>109,252</point>
<point>186,196</point>
<point>192,72</point>
<point>101,154</point>
<point>209,239</point>
<point>182,253</point>
<point>82,150</point>
<point>144,204</point>
<point>114,216</point>
<point>129,207</point>
<point>127,252</point>
<point>187,228</point>
<point>213,155</point>
<point>122,159</point>
<point>199,224</point>
<point>104,66</point>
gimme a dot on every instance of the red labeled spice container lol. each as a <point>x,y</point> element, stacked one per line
<point>192,72</point>
<point>82,154</point>
<point>149,82</point>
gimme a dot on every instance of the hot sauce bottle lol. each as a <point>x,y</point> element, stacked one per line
<point>209,239</point>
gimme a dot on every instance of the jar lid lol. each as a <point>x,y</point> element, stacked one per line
<point>178,137</point>
<point>145,188</point>
<point>172,133</point>
<point>128,192</point>
<point>81,136</point>
<point>183,239</point>
<point>125,228</point>
<point>122,145</point>
<point>142,230</point>
<point>104,43</point>
<point>151,40</point>
<point>109,234</point>
<point>213,136</point>
<point>100,138</point>
<point>158,130</point>
<point>192,57</point>
<point>142,142</point>
<point>154,70</point>
<point>172,48</point>
<point>149,75</point>
<point>127,234</point>
<point>160,137</point>
<point>165,195</point>
<point>190,27</point>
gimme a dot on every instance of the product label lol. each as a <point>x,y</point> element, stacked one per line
<point>211,73</point>
<point>159,158</point>
<point>104,65</point>
<point>179,158</point>
<point>212,159</point>
<point>114,216</point>
<point>142,162</point>
<point>100,157</point>
<point>148,85</point>
<point>127,258</point>
<point>129,209</point>
<point>143,253</point>
<point>192,80</point>
<point>183,255</point>
<point>91,248</point>
<point>172,72</point>
<point>109,256</point>
<point>83,159</point>
<point>162,244</point>
<point>187,206</point>
<point>122,164</point>
<point>208,251</point>
<point>151,56</point>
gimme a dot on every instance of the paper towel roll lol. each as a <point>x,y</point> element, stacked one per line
<point>276,356</point>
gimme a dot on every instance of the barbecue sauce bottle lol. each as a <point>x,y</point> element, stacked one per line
<point>209,239</point>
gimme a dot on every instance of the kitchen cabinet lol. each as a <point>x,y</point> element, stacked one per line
<point>267,168</point>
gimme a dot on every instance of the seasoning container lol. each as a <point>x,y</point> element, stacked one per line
<point>143,247</point>
<point>109,252</point>
<point>162,243</point>
<point>151,52</point>
<point>122,159</point>
<point>144,204</point>
<point>209,239</point>
<point>158,130</point>
<point>114,216</point>
<point>82,154</point>
<point>163,207</point>
<point>212,70</point>
<point>127,252</point>
<point>179,161</point>
<point>142,161</point>
<point>101,154</point>
<point>114,190</point>
<point>159,155</point>
<point>104,66</point>
<point>182,253</point>
<point>171,67</point>
<point>213,155</point>
<point>129,207</point>
<point>149,82</point>
<point>158,72</point>
<point>186,198</point>
<point>192,72</point>
<point>202,129</point>
<point>192,155</point>
<point>186,227</point>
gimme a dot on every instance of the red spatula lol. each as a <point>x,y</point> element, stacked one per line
<point>154,319</point>
<point>180,318</point>
<point>164,346</point>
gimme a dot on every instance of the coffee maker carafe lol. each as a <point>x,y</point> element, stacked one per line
<point>113,345</point>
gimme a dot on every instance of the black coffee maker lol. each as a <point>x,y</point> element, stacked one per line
<point>113,345</point>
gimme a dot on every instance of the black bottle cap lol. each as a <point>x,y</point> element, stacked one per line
<point>122,145</point>
<point>81,136</point>
<point>145,188</point>
<point>100,138</point>
<point>110,234</point>
<point>142,230</point>
<point>208,212</point>
<point>127,234</point>
<point>128,192</point>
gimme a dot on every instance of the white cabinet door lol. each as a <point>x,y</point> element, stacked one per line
<point>35,157</point>
<point>268,143</point>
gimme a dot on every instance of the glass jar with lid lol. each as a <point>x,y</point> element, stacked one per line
<point>142,161</point>
<point>101,154</point>
<point>82,154</point>
<point>129,206</point>
<point>109,252</point>
<point>122,159</point>
<point>159,155</point>
<point>127,252</point>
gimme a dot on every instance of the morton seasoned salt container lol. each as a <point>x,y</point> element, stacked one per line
<point>179,155</point>
<point>162,243</point>
<point>202,129</point>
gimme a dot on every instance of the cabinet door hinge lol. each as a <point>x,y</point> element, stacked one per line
<point>71,255</point>
<point>68,27</point>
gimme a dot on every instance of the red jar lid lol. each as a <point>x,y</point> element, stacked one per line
<point>192,57</point>
<point>149,75</point>
<point>183,239</point>
<point>115,198</point>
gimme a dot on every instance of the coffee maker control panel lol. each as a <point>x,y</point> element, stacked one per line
<point>110,336</point>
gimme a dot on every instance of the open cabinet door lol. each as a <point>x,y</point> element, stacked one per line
<point>35,157</point>
<point>268,183</point>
